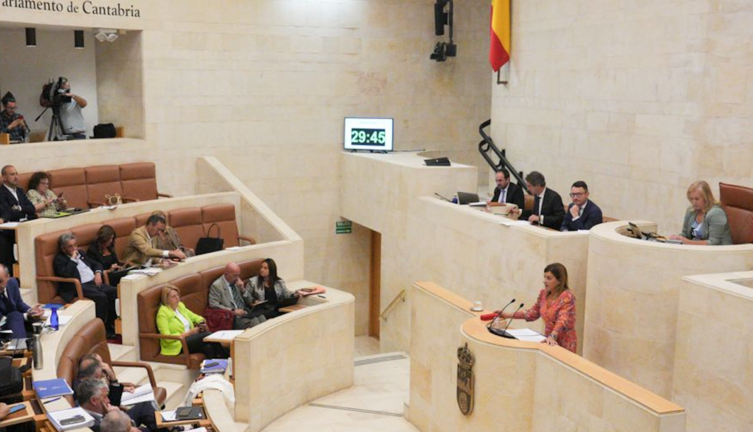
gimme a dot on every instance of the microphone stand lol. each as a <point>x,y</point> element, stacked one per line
<point>503,333</point>
<point>496,317</point>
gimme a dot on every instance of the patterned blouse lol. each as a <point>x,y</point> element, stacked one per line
<point>36,198</point>
<point>558,316</point>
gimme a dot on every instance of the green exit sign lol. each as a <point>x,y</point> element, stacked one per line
<point>343,227</point>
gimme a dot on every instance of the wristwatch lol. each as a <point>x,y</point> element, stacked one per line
<point>553,336</point>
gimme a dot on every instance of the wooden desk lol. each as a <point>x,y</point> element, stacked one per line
<point>292,308</point>
<point>203,422</point>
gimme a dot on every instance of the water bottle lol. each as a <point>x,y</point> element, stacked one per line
<point>37,356</point>
<point>54,319</point>
<point>455,199</point>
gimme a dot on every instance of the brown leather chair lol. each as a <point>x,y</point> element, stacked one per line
<point>46,247</point>
<point>737,202</point>
<point>139,181</point>
<point>102,180</point>
<point>72,182</point>
<point>148,302</point>
<point>224,216</point>
<point>123,228</point>
<point>91,340</point>
<point>187,223</point>
<point>23,180</point>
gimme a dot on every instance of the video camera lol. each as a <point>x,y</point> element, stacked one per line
<point>53,95</point>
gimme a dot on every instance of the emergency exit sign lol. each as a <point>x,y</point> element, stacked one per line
<point>343,227</point>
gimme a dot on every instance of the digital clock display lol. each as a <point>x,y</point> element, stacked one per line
<point>373,134</point>
<point>369,137</point>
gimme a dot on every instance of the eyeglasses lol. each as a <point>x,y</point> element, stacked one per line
<point>577,194</point>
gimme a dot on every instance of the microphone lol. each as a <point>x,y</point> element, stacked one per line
<point>503,333</point>
<point>497,315</point>
<point>445,199</point>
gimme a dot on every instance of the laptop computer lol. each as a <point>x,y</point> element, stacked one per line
<point>467,198</point>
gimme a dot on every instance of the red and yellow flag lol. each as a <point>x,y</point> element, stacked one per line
<point>499,51</point>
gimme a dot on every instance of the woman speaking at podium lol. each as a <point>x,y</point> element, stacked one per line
<point>556,306</point>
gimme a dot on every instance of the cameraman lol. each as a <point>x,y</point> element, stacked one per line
<point>70,112</point>
<point>12,122</point>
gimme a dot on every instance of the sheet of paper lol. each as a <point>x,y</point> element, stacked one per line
<point>168,416</point>
<point>143,393</point>
<point>226,334</point>
<point>526,335</point>
<point>9,225</point>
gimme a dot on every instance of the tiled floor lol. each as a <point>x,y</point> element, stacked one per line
<point>374,403</point>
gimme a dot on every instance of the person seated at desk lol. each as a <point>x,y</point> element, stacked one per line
<point>556,306</point>
<point>11,122</point>
<point>174,318</point>
<point>705,220</point>
<point>12,307</point>
<point>92,394</point>
<point>169,238</point>
<point>102,251</point>
<point>226,293</point>
<point>548,209</point>
<point>141,248</point>
<point>268,287</point>
<point>71,262</point>
<point>506,192</point>
<point>117,421</point>
<point>582,214</point>
<point>14,207</point>
<point>45,202</point>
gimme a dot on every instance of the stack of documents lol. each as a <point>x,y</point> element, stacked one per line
<point>143,393</point>
<point>74,418</point>
<point>214,366</point>
<point>51,388</point>
<point>225,335</point>
<point>526,335</point>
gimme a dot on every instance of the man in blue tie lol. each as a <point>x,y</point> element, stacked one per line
<point>12,307</point>
<point>583,213</point>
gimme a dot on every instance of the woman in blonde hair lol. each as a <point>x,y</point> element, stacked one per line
<point>705,221</point>
<point>556,306</point>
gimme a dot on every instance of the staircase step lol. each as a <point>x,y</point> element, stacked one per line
<point>122,352</point>
<point>134,375</point>
<point>175,393</point>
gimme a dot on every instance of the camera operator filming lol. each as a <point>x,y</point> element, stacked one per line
<point>67,120</point>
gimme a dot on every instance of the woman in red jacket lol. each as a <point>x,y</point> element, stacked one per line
<point>556,306</point>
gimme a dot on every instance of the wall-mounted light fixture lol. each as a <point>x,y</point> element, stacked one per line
<point>78,39</point>
<point>106,35</point>
<point>31,37</point>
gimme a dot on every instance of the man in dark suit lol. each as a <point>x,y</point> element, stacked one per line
<point>13,307</point>
<point>14,207</point>
<point>73,263</point>
<point>506,192</point>
<point>548,209</point>
<point>582,214</point>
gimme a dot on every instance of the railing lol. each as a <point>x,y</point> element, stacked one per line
<point>393,305</point>
<point>487,148</point>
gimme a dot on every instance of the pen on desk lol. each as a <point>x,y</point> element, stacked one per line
<point>52,400</point>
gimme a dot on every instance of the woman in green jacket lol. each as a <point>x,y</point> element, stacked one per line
<point>174,318</point>
<point>705,221</point>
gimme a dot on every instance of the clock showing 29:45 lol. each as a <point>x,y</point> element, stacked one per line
<point>368,137</point>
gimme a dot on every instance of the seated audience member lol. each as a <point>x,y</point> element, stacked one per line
<point>102,251</point>
<point>70,113</point>
<point>92,366</point>
<point>227,293</point>
<point>12,122</point>
<point>117,421</point>
<point>92,394</point>
<point>269,288</point>
<point>506,191</point>
<point>169,238</point>
<point>14,207</point>
<point>71,262</point>
<point>556,306</point>
<point>705,221</point>
<point>582,214</point>
<point>548,209</point>
<point>141,248</point>
<point>12,307</point>
<point>46,203</point>
<point>174,318</point>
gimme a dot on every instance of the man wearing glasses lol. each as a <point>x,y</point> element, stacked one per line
<point>12,122</point>
<point>582,213</point>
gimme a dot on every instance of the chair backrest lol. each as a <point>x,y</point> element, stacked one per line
<point>123,228</point>
<point>737,202</point>
<point>148,303</point>
<point>90,339</point>
<point>188,224</point>
<point>224,216</point>
<point>102,180</point>
<point>139,181</point>
<point>72,182</point>
<point>45,249</point>
<point>23,180</point>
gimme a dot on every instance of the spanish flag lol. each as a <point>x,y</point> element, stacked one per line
<point>499,51</point>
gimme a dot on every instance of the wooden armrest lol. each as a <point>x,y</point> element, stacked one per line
<point>186,354</point>
<point>146,366</point>
<point>74,281</point>
<point>161,195</point>
<point>246,239</point>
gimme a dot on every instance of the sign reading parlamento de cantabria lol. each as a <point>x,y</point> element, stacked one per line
<point>87,7</point>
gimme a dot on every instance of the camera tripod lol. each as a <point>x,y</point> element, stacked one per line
<point>56,131</point>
